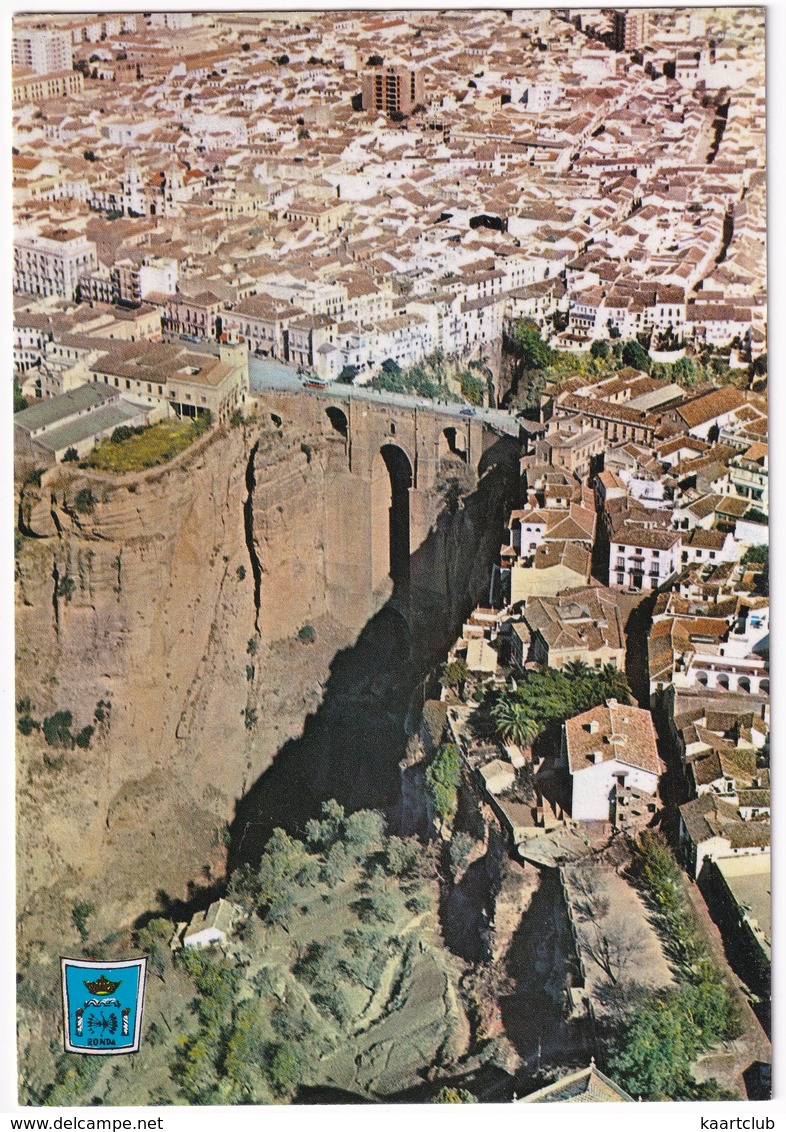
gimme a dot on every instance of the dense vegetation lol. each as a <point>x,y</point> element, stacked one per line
<point>545,699</point>
<point>56,729</point>
<point>536,364</point>
<point>429,378</point>
<point>443,777</point>
<point>330,963</point>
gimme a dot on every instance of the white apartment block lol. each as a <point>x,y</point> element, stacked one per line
<point>42,50</point>
<point>52,263</point>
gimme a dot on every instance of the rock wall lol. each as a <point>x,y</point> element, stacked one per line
<point>177,599</point>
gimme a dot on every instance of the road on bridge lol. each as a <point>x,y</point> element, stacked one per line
<point>267,374</point>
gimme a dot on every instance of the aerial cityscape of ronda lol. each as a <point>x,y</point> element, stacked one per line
<point>391,554</point>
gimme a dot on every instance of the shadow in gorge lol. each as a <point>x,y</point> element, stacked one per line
<point>540,964</point>
<point>351,746</point>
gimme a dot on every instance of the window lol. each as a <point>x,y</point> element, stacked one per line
<point>620,579</point>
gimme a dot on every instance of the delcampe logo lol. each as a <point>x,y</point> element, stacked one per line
<point>102,1005</point>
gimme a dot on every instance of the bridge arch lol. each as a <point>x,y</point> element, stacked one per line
<point>391,483</point>
<point>453,443</point>
<point>338,420</point>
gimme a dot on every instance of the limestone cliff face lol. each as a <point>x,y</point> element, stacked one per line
<point>177,600</point>
<point>147,603</point>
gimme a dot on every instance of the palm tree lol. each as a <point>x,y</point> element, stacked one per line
<point>615,684</point>
<point>514,722</point>
<point>576,668</point>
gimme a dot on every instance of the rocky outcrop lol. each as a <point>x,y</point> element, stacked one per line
<point>176,596</point>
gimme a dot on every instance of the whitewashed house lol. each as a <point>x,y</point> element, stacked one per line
<point>211,926</point>
<point>607,749</point>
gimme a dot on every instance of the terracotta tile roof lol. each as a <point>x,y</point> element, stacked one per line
<point>711,817</point>
<point>710,406</point>
<point>612,731</point>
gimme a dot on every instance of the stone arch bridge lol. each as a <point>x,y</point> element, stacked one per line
<point>387,472</point>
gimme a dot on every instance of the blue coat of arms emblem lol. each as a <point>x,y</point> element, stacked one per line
<point>102,1005</point>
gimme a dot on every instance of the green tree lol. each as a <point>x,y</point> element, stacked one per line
<point>472,388</point>
<point>653,1056</point>
<point>83,737</point>
<point>283,1070</point>
<point>80,914</point>
<point>454,674</point>
<point>756,555</point>
<point>759,366</point>
<point>402,856</point>
<point>684,368</point>
<point>514,722</point>
<point>66,587</point>
<point>336,865</point>
<point>364,832</point>
<point>322,833</point>
<point>385,906</point>
<point>533,352</point>
<point>442,779</point>
<point>153,939</point>
<point>461,845</point>
<point>85,501</point>
<point>19,401</point>
<point>282,860</point>
<point>247,1054</point>
<point>634,354</point>
<point>57,729</point>
<point>600,349</point>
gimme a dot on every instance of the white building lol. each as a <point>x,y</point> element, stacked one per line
<point>212,926</point>
<point>52,263</point>
<point>42,50</point>
<point>642,557</point>
<point>158,275</point>
<point>606,749</point>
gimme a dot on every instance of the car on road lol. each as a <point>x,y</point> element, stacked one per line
<point>467,412</point>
